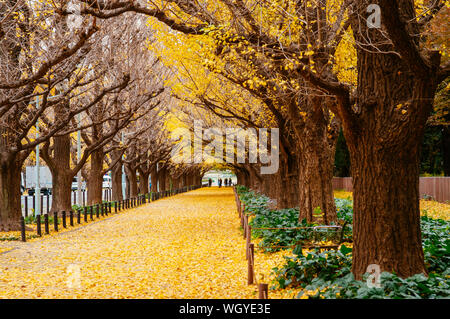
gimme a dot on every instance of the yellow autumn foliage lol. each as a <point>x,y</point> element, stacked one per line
<point>429,208</point>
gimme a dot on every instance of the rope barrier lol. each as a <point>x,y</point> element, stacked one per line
<point>250,247</point>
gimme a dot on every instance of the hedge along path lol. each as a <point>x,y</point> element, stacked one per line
<point>185,246</point>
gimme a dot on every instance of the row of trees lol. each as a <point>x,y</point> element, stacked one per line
<point>60,75</point>
<point>311,67</point>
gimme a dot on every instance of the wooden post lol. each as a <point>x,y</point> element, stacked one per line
<point>263,291</point>
<point>240,211</point>
<point>79,216</point>
<point>38,225</point>
<point>22,228</point>
<point>64,218</point>
<point>251,264</point>
<point>85,214</point>
<point>248,239</point>
<point>47,229</point>
<point>239,206</point>
<point>244,226</point>
<point>26,206</point>
<point>97,211</point>
<point>71,218</point>
<point>48,203</point>
<point>55,220</point>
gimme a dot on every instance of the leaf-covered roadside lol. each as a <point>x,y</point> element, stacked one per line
<point>262,217</point>
<point>328,274</point>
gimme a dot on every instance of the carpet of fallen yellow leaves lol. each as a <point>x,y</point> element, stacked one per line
<point>430,208</point>
<point>186,246</point>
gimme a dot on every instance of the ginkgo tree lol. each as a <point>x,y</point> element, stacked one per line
<point>38,61</point>
<point>383,116</point>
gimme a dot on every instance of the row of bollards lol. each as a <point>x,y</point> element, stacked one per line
<point>107,195</point>
<point>25,197</point>
<point>263,289</point>
<point>102,209</point>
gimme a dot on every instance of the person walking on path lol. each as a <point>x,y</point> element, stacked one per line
<point>220,182</point>
<point>210,182</point>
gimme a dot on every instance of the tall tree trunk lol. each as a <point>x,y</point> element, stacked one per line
<point>143,181</point>
<point>116,180</point>
<point>61,193</point>
<point>168,181</point>
<point>162,179</point>
<point>176,183</point>
<point>246,178</point>
<point>62,175</point>
<point>289,184</point>
<point>254,178</point>
<point>132,177</point>
<point>315,151</point>
<point>315,181</point>
<point>95,178</point>
<point>10,204</point>
<point>386,220</point>
<point>154,179</point>
<point>127,186</point>
<point>384,141</point>
<point>189,179</point>
<point>10,162</point>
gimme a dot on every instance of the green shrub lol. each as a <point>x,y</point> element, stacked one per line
<point>392,287</point>
<point>436,244</point>
<point>329,272</point>
<point>300,270</point>
<point>273,240</point>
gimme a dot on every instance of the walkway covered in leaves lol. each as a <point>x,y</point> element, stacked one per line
<point>186,246</point>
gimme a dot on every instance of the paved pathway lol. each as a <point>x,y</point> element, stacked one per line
<point>186,246</point>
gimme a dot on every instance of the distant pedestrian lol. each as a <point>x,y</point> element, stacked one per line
<point>210,182</point>
<point>220,182</point>
<point>226,182</point>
